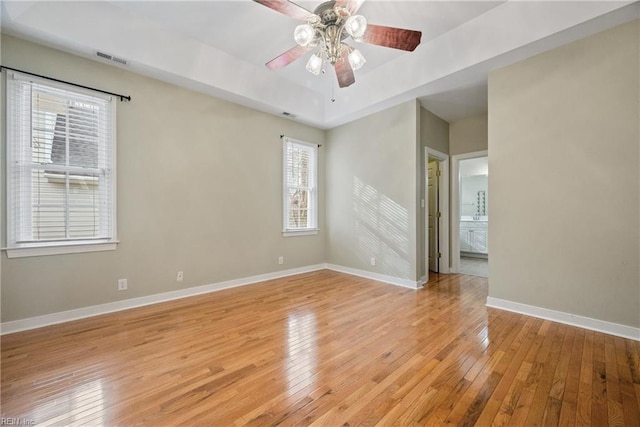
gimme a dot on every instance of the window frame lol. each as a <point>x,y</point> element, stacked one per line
<point>15,207</point>
<point>312,222</point>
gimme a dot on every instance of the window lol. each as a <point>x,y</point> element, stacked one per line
<point>300,208</point>
<point>60,168</point>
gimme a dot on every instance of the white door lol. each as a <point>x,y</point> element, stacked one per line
<point>433,184</point>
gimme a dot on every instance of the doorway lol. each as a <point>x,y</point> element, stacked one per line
<point>436,212</point>
<point>470,214</point>
<point>433,190</point>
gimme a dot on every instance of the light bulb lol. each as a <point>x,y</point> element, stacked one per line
<point>356,59</point>
<point>314,65</point>
<point>355,26</point>
<point>304,34</point>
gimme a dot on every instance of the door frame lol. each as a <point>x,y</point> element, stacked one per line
<point>455,204</point>
<point>443,199</point>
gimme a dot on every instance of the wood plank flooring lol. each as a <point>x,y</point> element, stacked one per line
<point>321,349</point>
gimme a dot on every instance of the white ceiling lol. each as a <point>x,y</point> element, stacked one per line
<point>220,47</point>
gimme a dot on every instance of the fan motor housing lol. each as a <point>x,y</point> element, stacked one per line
<point>326,12</point>
<point>329,16</point>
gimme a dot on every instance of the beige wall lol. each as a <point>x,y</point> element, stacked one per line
<point>199,190</point>
<point>564,144</point>
<point>468,135</point>
<point>371,183</point>
<point>434,132</point>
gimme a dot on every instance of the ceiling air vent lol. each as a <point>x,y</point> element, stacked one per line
<point>111,58</point>
<point>119,60</point>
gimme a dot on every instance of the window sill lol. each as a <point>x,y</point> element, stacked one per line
<point>293,233</point>
<point>59,249</point>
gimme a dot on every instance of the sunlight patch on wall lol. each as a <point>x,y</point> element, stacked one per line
<point>382,230</point>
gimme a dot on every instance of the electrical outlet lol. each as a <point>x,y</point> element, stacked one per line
<point>373,261</point>
<point>122,285</point>
<point>180,276</point>
<point>281,260</point>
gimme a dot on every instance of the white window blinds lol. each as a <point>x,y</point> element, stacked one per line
<point>300,186</point>
<point>60,164</point>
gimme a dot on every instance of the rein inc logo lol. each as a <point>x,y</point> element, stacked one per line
<point>15,421</point>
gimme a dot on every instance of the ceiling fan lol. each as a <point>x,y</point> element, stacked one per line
<point>327,27</point>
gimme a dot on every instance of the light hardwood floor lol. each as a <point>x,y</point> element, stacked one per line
<point>323,349</point>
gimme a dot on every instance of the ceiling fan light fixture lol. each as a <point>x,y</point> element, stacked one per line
<point>314,65</point>
<point>324,32</point>
<point>304,34</point>
<point>356,59</point>
<point>355,26</point>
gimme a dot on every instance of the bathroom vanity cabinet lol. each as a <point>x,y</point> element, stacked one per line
<point>474,237</point>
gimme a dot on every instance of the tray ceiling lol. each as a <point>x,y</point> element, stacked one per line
<point>220,47</point>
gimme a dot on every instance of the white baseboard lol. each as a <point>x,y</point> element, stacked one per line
<point>566,318</point>
<point>95,310</point>
<point>81,313</point>
<point>392,280</point>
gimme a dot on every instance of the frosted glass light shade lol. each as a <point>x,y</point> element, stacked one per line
<point>356,59</point>
<point>304,34</point>
<point>355,26</point>
<point>314,65</point>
